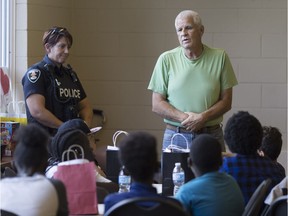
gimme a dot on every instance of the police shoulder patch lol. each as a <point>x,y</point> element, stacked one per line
<point>33,75</point>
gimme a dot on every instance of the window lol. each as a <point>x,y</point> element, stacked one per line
<point>6,32</point>
<point>7,50</point>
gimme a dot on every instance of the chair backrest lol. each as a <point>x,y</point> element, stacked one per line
<point>6,213</point>
<point>142,206</point>
<point>256,202</point>
<point>278,207</point>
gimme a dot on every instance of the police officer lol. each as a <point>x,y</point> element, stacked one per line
<point>53,93</point>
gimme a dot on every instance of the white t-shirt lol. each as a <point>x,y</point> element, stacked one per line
<point>32,196</point>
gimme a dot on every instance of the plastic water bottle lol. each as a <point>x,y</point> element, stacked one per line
<point>178,177</point>
<point>124,180</point>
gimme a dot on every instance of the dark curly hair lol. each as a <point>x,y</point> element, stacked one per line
<point>31,153</point>
<point>138,153</point>
<point>243,133</point>
<point>271,142</point>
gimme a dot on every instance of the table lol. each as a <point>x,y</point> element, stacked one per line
<point>101,208</point>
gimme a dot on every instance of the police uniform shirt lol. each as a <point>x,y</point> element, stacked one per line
<point>60,87</point>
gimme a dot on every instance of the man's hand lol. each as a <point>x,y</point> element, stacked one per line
<point>194,122</point>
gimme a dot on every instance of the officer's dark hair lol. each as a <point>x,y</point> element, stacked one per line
<point>206,153</point>
<point>138,153</point>
<point>54,34</point>
<point>271,142</point>
<point>243,133</point>
<point>31,153</point>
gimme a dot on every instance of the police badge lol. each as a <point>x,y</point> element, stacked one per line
<point>33,75</point>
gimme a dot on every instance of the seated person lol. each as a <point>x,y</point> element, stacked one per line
<point>271,145</point>
<point>138,153</point>
<point>211,192</point>
<point>81,125</point>
<point>30,192</point>
<point>67,135</point>
<point>243,135</point>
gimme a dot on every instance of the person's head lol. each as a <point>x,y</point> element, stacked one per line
<point>57,41</point>
<point>138,153</point>
<point>189,29</point>
<point>76,123</point>
<point>31,153</point>
<point>205,155</point>
<point>271,142</point>
<point>80,124</point>
<point>70,133</point>
<point>243,133</point>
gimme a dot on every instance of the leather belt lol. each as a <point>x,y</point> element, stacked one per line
<point>183,130</point>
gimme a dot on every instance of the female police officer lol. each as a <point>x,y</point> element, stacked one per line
<point>53,92</point>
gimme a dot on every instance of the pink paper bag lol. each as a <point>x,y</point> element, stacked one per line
<point>80,182</point>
